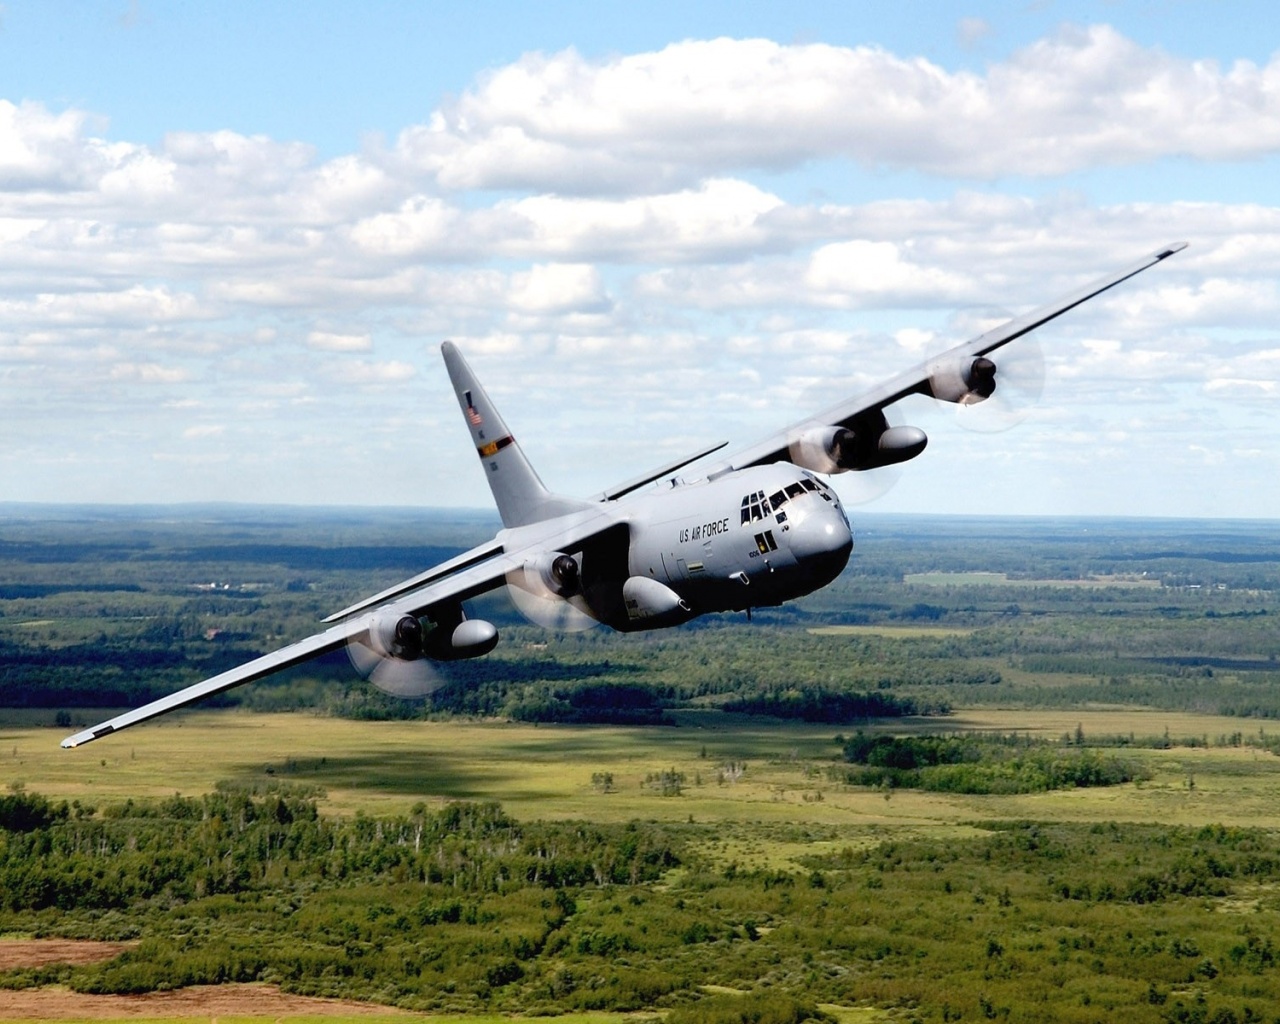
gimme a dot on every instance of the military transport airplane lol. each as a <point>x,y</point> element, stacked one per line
<point>758,528</point>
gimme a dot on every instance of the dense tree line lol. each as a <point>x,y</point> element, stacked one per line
<point>970,764</point>
<point>823,704</point>
<point>463,909</point>
<point>116,612</point>
<point>233,842</point>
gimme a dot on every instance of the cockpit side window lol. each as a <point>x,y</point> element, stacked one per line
<point>794,490</point>
<point>754,508</point>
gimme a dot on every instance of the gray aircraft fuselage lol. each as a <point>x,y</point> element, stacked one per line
<point>747,539</point>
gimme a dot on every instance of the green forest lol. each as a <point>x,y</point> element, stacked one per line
<point>104,609</point>
<point>467,910</point>
<point>456,905</point>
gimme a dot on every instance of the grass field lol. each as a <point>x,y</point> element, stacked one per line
<point>546,772</point>
<point>780,812</point>
<point>973,579</point>
<point>895,632</point>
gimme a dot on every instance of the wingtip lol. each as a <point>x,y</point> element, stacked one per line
<point>88,735</point>
<point>1170,249</point>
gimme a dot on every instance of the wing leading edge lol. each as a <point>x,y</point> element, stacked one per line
<point>473,573</point>
<point>311,647</point>
<point>776,448</point>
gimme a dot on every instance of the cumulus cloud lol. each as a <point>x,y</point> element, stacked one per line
<point>135,304</point>
<point>850,271</point>
<point>1083,98</point>
<point>600,226</point>
<point>44,151</point>
<point>558,287</point>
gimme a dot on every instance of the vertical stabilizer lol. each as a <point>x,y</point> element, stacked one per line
<point>519,494</point>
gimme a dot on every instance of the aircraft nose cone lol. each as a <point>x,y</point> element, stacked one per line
<point>824,540</point>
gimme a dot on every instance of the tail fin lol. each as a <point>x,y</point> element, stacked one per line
<point>520,495</point>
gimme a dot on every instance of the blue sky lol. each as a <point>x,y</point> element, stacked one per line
<point>233,235</point>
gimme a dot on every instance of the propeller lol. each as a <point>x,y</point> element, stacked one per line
<point>864,486</point>
<point>391,657</point>
<point>548,592</point>
<point>1018,375</point>
<point>857,487</point>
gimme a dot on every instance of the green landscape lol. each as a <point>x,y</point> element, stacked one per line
<point>1002,769</point>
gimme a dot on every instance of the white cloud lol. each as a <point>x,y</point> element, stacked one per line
<point>361,372</point>
<point>861,272</point>
<point>598,226</point>
<point>558,287</point>
<point>136,304</point>
<point>718,217</point>
<point>1083,98</point>
<point>201,432</point>
<point>44,151</point>
<point>420,225</point>
<point>327,341</point>
<point>148,373</point>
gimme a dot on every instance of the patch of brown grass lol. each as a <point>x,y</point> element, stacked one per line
<point>200,1002</point>
<point>17,953</point>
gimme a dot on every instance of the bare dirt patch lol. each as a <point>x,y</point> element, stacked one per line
<point>16,953</point>
<point>207,1001</point>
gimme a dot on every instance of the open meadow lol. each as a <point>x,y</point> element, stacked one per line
<point>1022,770</point>
<point>737,770</point>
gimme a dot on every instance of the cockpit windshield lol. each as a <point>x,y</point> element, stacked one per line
<point>757,506</point>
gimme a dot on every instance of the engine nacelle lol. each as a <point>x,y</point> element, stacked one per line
<point>867,446</point>
<point>824,449</point>
<point>394,635</point>
<point>552,572</point>
<point>965,381</point>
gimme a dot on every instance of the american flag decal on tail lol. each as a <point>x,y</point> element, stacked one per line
<point>473,414</point>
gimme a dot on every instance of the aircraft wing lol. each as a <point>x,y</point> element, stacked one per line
<point>777,448</point>
<point>475,572</point>
<point>312,646</point>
